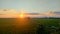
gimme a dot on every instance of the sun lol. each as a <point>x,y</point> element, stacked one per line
<point>21,15</point>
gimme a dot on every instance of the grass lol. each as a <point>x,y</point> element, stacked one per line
<point>14,25</point>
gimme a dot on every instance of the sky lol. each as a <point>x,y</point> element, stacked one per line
<point>31,5</point>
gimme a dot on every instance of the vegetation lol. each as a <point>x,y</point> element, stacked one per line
<point>15,26</point>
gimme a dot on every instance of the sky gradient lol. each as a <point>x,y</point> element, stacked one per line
<point>31,5</point>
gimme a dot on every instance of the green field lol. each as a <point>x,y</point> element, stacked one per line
<point>16,26</point>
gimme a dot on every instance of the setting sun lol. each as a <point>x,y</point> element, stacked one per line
<point>21,15</point>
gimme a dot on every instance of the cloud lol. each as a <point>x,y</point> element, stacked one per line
<point>8,11</point>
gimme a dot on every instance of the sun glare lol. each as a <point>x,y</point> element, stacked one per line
<point>21,15</point>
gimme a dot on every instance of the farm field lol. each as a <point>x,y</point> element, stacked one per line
<point>28,26</point>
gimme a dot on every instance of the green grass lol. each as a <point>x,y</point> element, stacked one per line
<point>13,26</point>
<point>47,22</point>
